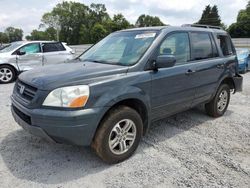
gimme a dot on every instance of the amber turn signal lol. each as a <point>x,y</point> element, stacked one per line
<point>78,102</point>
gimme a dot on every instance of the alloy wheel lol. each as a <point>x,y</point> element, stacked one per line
<point>222,101</point>
<point>6,74</point>
<point>122,136</point>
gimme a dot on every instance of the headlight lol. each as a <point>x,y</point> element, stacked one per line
<point>71,97</point>
<point>241,61</point>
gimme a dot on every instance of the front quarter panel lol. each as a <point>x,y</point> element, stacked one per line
<point>11,60</point>
<point>134,85</point>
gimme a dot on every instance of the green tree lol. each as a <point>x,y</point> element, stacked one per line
<point>66,18</point>
<point>14,34</point>
<point>52,23</point>
<point>76,23</point>
<point>205,16</point>
<point>118,22</point>
<point>48,34</point>
<point>36,35</point>
<point>242,26</point>
<point>98,32</point>
<point>98,13</point>
<point>147,20</point>
<point>210,16</point>
<point>4,38</point>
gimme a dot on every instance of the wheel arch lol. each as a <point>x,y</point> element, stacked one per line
<point>229,81</point>
<point>133,103</point>
<point>12,66</point>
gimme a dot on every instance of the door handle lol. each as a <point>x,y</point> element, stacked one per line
<point>220,66</point>
<point>190,71</point>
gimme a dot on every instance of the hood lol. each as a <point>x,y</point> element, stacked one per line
<point>4,56</point>
<point>54,76</point>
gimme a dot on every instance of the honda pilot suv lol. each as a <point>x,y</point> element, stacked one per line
<point>109,96</point>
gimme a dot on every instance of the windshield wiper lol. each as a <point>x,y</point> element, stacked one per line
<point>103,62</point>
<point>92,60</point>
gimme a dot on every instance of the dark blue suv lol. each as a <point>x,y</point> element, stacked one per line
<point>109,96</point>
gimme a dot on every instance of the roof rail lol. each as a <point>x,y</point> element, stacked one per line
<point>202,26</point>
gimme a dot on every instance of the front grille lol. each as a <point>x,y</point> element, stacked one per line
<point>23,116</point>
<point>25,91</point>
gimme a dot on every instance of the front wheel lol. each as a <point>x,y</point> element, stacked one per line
<point>7,74</point>
<point>218,105</point>
<point>118,135</point>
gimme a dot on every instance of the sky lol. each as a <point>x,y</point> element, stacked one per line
<point>26,14</point>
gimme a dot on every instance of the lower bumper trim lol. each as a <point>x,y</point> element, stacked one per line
<point>37,131</point>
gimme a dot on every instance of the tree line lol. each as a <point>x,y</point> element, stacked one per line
<point>77,23</point>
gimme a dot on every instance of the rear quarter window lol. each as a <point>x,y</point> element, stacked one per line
<point>225,45</point>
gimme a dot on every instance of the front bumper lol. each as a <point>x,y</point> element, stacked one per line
<point>238,83</point>
<point>72,127</point>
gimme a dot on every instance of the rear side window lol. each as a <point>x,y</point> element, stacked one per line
<point>225,45</point>
<point>53,47</point>
<point>201,46</point>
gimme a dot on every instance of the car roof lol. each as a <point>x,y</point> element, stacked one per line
<point>35,41</point>
<point>176,28</point>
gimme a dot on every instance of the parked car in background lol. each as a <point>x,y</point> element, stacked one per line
<point>243,55</point>
<point>2,46</point>
<point>25,55</point>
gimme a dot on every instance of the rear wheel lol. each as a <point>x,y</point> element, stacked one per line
<point>119,135</point>
<point>7,74</point>
<point>218,105</point>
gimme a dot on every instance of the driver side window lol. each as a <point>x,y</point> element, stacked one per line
<point>31,48</point>
<point>176,44</point>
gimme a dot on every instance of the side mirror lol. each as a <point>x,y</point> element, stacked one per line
<point>165,61</point>
<point>20,53</point>
<point>73,51</point>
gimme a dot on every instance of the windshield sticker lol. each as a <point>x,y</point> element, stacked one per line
<point>145,35</point>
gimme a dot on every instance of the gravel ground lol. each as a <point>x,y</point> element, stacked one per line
<point>187,150</point>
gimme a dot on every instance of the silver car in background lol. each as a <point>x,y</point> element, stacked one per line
<point>25,55</point>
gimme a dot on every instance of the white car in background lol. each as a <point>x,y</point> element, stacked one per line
<point>25,55</point>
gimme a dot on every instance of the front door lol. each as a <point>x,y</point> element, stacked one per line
<point>31,57</point>
<point>173,89</point>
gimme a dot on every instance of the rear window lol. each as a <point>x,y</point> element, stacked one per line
<point>201,46</point>
<point>53,47</point>
<point>225,45</point>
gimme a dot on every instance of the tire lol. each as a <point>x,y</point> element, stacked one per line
<point>107,135</point>
<point>7,74</point>
<point>245,70</point>
<point>213,108</point>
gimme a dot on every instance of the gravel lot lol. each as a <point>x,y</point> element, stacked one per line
<point>187,150</point>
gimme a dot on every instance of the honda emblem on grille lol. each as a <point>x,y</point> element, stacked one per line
<point>22,87</point>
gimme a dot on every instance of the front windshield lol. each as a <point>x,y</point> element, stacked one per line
<point>11,47</point>
<point>122,48</point>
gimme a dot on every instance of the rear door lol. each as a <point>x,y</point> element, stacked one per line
<point>210,63</point>
<point>173,89</point>
<point>31,58</point>
<point>54,53</point>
